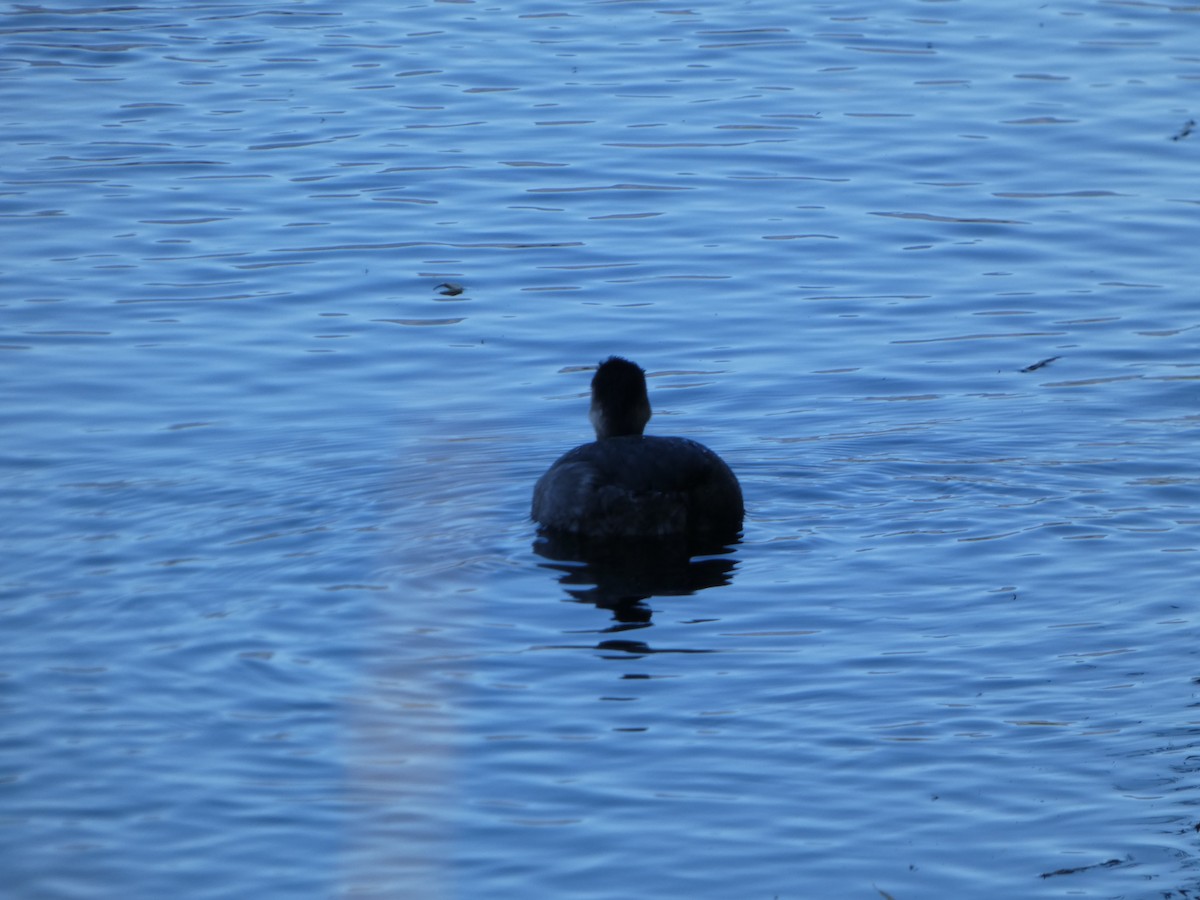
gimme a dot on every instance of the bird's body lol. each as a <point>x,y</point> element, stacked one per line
<point>626,485</point>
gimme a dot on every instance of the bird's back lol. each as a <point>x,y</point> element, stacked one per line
<point>636,486</point>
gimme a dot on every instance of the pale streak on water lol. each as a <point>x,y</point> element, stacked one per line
<point>273,624</point>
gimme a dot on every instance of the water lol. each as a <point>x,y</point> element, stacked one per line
<point>275,624</point>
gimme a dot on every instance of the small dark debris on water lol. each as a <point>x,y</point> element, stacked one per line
<point>1041,363</point>
<point>1104,865</point>
<point>449,289</point>
<point>1188,127</point>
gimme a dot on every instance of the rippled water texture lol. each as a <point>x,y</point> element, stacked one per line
<point>275,624</point>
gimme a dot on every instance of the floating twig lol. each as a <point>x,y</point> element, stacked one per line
<point>1040,364</point>
<point>1104,865</point>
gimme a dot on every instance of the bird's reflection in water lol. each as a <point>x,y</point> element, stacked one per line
<point>620,575</point>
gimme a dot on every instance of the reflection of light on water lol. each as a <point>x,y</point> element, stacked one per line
<point>401,737</point>
<point>403,729</point>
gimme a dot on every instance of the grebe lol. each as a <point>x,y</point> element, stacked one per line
<point>627,485</point>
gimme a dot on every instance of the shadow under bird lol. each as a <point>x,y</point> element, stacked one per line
<point>626,484</point>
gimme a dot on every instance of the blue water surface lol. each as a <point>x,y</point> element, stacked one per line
<point>275,621</point>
